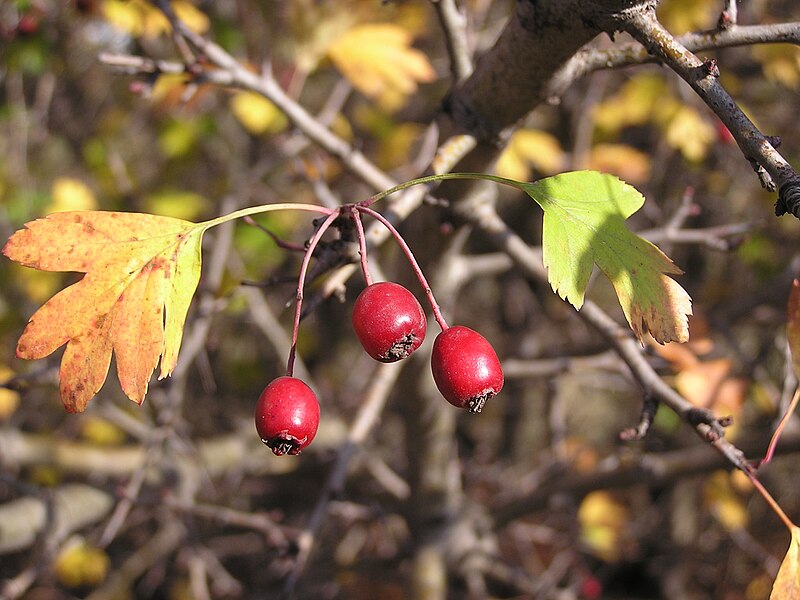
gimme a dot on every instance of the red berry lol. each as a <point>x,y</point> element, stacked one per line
<point>287,415</point>
<point>465,368</point>
<point>389,321</point>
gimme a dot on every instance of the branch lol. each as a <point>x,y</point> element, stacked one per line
<point>368,415</point>
<point>625,55</point>
<point>703,77</point>
<point>454,27</point>
<point>652,469</point>
<point>619,338</point>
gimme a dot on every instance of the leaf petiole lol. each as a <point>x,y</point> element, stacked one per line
<point>264,208</point>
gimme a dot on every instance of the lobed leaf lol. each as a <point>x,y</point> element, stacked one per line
<point>141,272</point>
<point>584,226</point>
<point>787,583</point>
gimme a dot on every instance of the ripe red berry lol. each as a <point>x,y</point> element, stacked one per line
<point>389,321</point>
<point>465,368</point>
<point>287,415</point>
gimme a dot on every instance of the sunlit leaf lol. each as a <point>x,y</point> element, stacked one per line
<point>787,583</point>
<point>781,63</point>
<point>689,132</point>
<point>530,148</point>
<point>724,502</point>
<point>378,59</point>
<point>626,162</point>
<point>257,114</point>
<point>139,18</point>
<point>682,16</point>
<point>71,194</point>
<point>141,272</point>
<point>584,226</point>
<point>602,518</point>
<point>80,564</point>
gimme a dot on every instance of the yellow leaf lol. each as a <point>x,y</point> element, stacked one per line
<point>780,62</point>
<point>700,383</point>
<point>723,501</point>
<point>178,204</point>
<point>621,160</point>
<point>690,133</point>
<point>140,275</point>
<point>602,518</point>
<point>80,564</point>
<point>71,194</point>
<point>257,114</point>
<point>102,432</point>
<point>379,61</point>
<point>9,399</point>
<point>682,16</point>
<point>139,18</point>
<point>633,104</point>
<point>193,18</point>
<point>530,148</point>
<point>787,583</point>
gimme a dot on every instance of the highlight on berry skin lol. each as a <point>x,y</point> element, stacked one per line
<point>465,368</point>
<point>389,321</point>
<point>287,415</point>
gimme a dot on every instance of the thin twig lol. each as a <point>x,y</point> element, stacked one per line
<point>381,384</point>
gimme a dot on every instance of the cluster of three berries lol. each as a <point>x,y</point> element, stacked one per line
<point>390,324</point>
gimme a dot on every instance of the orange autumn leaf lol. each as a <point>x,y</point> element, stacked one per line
<point>141,272</point>
<point>787,583</point>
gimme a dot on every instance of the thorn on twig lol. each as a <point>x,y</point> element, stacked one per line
<point>649,408</point>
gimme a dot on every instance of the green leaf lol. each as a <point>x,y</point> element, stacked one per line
<point>584,225</point>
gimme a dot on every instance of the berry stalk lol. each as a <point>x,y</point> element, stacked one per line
<point>437,312</point>
<point>362,245</point>
<point>312,244</point>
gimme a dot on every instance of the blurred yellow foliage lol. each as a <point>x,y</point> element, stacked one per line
<point>781,63</point>
<point>378,59</point>
<point>682,16</point>
<point>70,194</point>
<point>178,204</point>
<point>101,432</point>
<point>139,18</point>
<point>621,160</point>
<point>687,131</point>
<point>530,149</point>
<point>9,399</point>
<point>647,99</point>
<point>602,519</point>
<point>723,501</point>
<point>257,114</point>
<point>80,564</point>
<point>37,285</point>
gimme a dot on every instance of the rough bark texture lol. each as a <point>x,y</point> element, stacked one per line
<point>510,79</point>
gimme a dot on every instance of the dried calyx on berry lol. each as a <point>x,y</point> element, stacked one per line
<point>465,368</point>
<point>287,415</point>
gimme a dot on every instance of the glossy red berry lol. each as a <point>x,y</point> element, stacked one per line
<point>389,321</point>
<point>287,415</point>
<point>465,368</point>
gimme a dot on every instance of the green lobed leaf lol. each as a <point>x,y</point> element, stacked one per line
<point>584,226</point>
